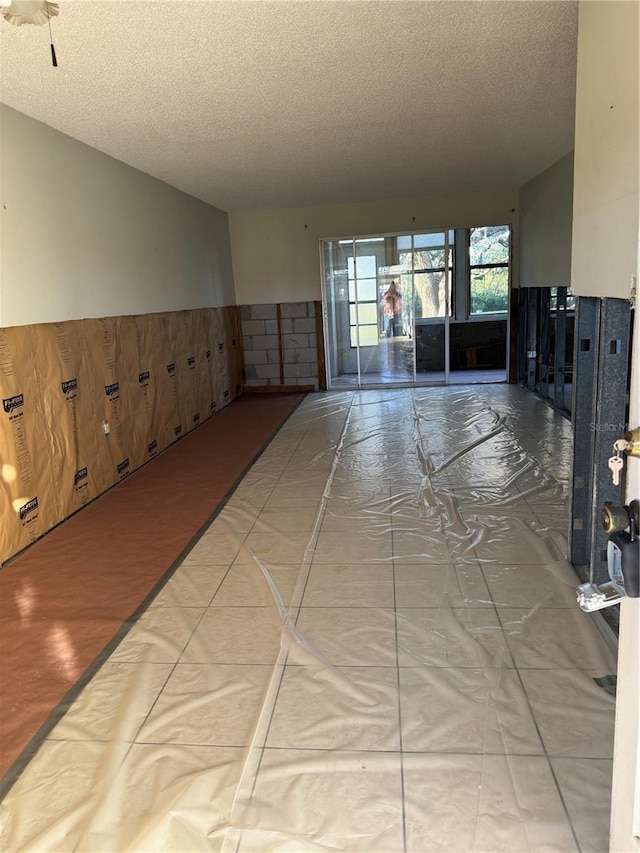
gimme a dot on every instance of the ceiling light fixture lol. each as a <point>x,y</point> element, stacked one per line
<point>38,12</point>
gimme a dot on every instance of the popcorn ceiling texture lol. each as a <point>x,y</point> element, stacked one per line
<point>252,104</point>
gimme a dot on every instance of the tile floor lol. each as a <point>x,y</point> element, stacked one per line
<point>375,647</point>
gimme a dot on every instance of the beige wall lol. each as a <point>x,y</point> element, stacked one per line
<point>84,235</point>
<point>605,206</point>
<point>276,255</point>
<point>604,258</point>
<point>546,210</point>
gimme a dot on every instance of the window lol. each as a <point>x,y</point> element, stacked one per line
<point>489,269</point>
<point>570,300</point>
<point>363,300</point>
<point>427,265</point>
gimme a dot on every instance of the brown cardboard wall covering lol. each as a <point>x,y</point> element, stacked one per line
<point>67,387</point>
<point>232,342</point>
<point>86,402</point>
<point>26,465</point>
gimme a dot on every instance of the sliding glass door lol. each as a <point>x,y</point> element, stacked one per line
<point>428,263</point>
<point>368,341</point>
<point>387,309</point>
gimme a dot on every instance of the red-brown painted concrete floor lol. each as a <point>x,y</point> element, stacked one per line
<point>64,600</point>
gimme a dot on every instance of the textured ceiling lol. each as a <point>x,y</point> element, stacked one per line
<point>270,104</point>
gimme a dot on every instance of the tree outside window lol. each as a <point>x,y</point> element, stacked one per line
<point>489,269</point>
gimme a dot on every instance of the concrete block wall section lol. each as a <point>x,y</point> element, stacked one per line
<point>280,344</point>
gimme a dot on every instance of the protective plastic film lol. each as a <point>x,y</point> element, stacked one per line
<point>375,646</point>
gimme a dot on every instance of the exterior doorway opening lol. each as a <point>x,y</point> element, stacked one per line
<point>427,308</point>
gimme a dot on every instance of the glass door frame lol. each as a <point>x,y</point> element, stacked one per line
<point>448,284</point>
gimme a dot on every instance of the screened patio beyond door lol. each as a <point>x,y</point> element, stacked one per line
<point>408,309</point>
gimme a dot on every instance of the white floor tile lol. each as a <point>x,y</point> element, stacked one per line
<point>209,704</point>
<point>252,496</point>
<point>484,803</point>
<point>325,800</point>
<point>575,715</point>
<point>323,707</point>
<point>427,585</point>
<point>473,586</point>
<point>236,635</point>
<point>285,521</point>
<point>239,515</point>
<point>358,636</point>
<point>555,638</point>
<point>466,710</point>
<point>190,586</point>
<point>549,586</point>
<point>166,797</point>
<point>278,548</point>
<point>505,539</point>
<point>451,637</point>
<point>159,636</point>
<point>350,585</point>
<point>420,546</point>
<point>586,788</point>
<point>247,586</point>
<point>368,491</point>
<point>115,703</point>
<point>343,547</point>
<point>216,548</point>
<point>442,530</point>
<point>48,808</point>
<point>363,517</point>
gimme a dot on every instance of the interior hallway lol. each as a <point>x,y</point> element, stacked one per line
<point>375,646</point>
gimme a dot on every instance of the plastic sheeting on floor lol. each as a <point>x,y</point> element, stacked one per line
<point>375,647</point>
<point>67,601</point>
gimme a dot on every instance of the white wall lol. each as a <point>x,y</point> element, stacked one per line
<point>604,258</point>
<point>607,167</point>
<point>546,212</point>
<point>625,805</point>
<point>84,235</point>
<point>276,255</point>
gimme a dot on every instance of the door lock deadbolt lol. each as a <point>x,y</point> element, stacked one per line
<point>615,518</point>
<point>623,559</point>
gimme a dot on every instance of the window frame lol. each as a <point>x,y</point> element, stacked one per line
<point>490,315</point>
<point>449,270</point>
<point>354,328</point>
